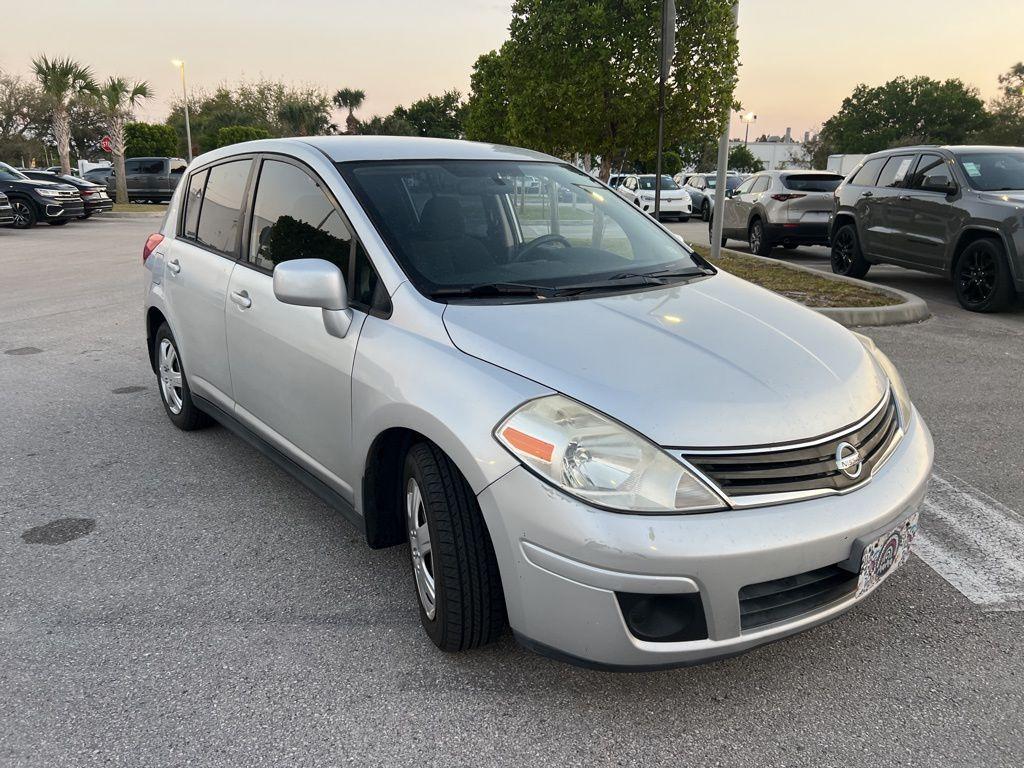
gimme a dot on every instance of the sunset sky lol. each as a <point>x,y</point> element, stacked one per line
<point>799,57</point>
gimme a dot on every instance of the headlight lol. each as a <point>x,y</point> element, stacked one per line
<point>49,192</point>
<point>899,389</point>
<point>600,461</point>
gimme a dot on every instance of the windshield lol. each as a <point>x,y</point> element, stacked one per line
<point>455,225</point>
<point>647,182</point>
<point>994,171</point>
<point>9,174</point>
<point>731,182</point>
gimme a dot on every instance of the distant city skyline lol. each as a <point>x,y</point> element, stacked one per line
<point>799,58</point>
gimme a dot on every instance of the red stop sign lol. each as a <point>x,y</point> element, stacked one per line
<point>105,144</point>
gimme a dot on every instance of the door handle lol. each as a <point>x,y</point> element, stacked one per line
<point>903,197</point>
<point>241,298</point>
<point>174,266</point>
<point>869,193</point>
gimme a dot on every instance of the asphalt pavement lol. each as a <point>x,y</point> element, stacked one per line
<point>174,599</point>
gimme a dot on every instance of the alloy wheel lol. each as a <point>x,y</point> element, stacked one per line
<point>170,376</point>
<point>977,278</point>
<point>420,547</point>
<point>755,238</point>
<point>22,214</point>
<point>842,252</point>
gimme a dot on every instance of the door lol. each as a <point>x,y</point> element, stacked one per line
<point>737,208</point>
<point>891,214</point>
<point>292,381</point>
<point>197,268</point>
<point>932,221</point>
<point>153,178</point>
<point>133,178</point>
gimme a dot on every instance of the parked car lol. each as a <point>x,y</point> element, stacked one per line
<point>99,175</point>
<point>32,200</point>
<point>639,460</point>
<point>639,189</point>
<point>787,208</point>
<point>701,188</point>
<point>6,212</point>
<point>149,179</point>
<point>952,211</point>
<point>94,196</point>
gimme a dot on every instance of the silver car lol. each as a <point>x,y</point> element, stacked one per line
<point>787,208</point>
<point>577,426</point>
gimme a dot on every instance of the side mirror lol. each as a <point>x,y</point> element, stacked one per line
<point>729,192</point>
<point>945,185</point>
<point>315,283</point>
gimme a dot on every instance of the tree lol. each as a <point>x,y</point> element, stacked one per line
<point>150,140</point>
<point>437,116</point>
<point>389,125</point>
<point>905,111</point>
<point>236,134</point>
<point>580,76</point>
<point>302,117</point>
<point>350,99</point>
<point>118,99</point>
<point>22,119</point>
<point>61,80</point>
<point>1006,126</point>
<point>743,160</point>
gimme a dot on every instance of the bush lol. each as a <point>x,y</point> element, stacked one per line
<point>150,140</point>
<point>235,134</point>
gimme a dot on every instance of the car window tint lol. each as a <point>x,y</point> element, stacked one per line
<point>932,171</point>
<point>812,182</point>
<point>193,202</point>
<point>868,172</point>
<point>131,166</point>
<point>294,219</point>
<point>222,205</point>
<point>151,166</point>
<point>743,188</point>
<point>895,171</point>
<point>760,185</point>
<point>367,288</point>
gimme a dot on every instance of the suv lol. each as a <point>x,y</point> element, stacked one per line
<point>379,317</point>
<point>148,178</point>
<point>701,188</point>
<point>952,211</point>
<point>787,208</point>
<point>94,196</point>
<point>639,189</point>
<point>32,200</point>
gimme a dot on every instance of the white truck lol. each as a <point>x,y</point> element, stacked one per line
<point>843,164</point>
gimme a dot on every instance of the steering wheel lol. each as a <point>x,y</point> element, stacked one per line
<point>540,242</point>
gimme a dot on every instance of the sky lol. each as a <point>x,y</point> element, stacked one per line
<point>799,58</point>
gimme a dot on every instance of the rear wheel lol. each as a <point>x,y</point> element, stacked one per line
<point>24,213</point>
<point>456,573</point>
<point>705,210</point>
<point>982,278</point>
<point>847,258</point>
<point>174,390</point>
<point>758,239</point>
<point>789,246</point>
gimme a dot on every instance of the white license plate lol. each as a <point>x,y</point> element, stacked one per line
<point>815,217</point>
<point>885,554</point>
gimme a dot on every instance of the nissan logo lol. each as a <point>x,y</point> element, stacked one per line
<point>848,461</point>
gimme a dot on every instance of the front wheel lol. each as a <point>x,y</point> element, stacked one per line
<point>982,278</point>
<point>847,258</point>
<point>705,211</point>
<point>454,568</point>
<point>24,214</point>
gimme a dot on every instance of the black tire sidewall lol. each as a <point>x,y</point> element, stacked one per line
<point>1003,294</point>
<point>858,265</point>
<point>764,247</point>
<point>435,627</point>
<point>189,417</point>
<point>32,217</point>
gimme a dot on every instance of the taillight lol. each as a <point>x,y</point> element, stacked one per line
<point>87,192</point>
<point>151,243</point>
<point>783,197</point>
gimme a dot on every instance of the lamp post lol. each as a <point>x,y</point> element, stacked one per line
<point>748,118</point>
<point>668,51</point>
<point>723,162</point>
<point>184,92</point>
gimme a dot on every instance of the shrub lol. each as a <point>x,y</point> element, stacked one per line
<point>150,140</point>
<point>235,134</point>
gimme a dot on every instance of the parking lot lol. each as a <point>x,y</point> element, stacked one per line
<point>203,608</point>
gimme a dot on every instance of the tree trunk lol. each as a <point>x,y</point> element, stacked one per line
<point>62,135</point>
<point>117,149</point>
<point>606,167</point>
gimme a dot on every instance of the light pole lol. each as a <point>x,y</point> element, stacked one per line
<point>723,162</point>
<point>184,92</point>
<point>668,51</point>
<point>748,118</point>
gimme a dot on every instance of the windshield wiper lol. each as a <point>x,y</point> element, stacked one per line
<point>483,290</point>
<point>631,280</point>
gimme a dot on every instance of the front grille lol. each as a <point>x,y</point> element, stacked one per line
<point>782,599</point>
<point>802,468</point>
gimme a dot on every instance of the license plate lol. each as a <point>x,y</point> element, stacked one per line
<point>885,554</point>
<point>815,217</point>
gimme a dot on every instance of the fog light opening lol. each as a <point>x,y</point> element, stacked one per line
<point>663,618</point>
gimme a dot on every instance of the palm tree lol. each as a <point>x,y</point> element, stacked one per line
<point>299,117</point>
<point>118,98</point>
<point>350,99</point>
<point>61,81</point>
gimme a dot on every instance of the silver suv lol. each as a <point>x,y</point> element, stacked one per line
<point>578,427</point>
<point>787,208</point>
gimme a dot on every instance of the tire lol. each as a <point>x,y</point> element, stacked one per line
<point>58,222</point>
<point>455,572</point>
<point>760,245</point>
<point>847,258</point>
<point>24,213</point>
<point>180,409</point>
<point>789,246</point>
<point>982,277</point>
<point>705,210</point>
<point>711,231</point>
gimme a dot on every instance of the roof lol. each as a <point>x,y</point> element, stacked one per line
<point>349,148</point>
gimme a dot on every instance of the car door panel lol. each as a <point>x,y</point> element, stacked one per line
<point>890,214</point>
<point>934,222</point>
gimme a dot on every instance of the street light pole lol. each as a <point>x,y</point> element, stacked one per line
<point>668,51</point>
<point>748,118</point>
<point>723,162</point>
<point>184,92</point>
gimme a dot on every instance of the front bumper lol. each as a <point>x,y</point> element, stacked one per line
<point>52,209</point>
<point>6,215</point>
<point>681,208</point>
<point>562,562</point>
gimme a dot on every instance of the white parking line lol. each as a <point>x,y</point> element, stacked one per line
<point>973,542</point>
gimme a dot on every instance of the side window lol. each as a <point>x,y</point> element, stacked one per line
<point>151,166</point>
<point>367,288</point>
<point>743,188</point>
<point>221,213</point>
<point>294,219</point>
<point>193,202</point>
<point>131,166</point>
<point>760,185</point>
<point>932,171</point>
<point>896,170</point>
<point>868,172</point>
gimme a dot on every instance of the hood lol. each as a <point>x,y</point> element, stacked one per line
<point>1013,197</point>
<point>37,184</point>
<point>718,362</point>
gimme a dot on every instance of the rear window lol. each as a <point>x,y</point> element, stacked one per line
<point>812,182</point>
<point>868,172</point>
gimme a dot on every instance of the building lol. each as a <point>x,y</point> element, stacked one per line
<point>777,152</point>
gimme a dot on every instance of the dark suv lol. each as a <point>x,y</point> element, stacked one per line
<point>948,210</point>
<point>32,201</point>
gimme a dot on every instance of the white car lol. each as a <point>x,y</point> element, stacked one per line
<point>639,189</point>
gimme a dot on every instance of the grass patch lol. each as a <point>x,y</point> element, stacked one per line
<point>139,208</point>
<point>804,287</point>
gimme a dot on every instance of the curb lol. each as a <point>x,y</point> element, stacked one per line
<point>912,309</point>
<point>129,215</point>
